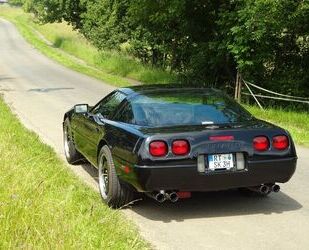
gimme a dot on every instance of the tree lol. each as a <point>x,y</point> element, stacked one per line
<point>205,41</point>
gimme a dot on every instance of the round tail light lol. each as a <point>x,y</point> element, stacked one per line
<point>158,148</point>
<point>180,147</point>
<point>261,143</point>
<point>280,142</point>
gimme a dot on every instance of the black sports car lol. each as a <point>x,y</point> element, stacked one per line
<point>168,141</point>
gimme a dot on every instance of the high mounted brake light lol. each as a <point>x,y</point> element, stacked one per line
<point>221,138</point>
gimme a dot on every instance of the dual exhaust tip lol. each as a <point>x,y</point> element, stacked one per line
<point>162,196</point>
<point>266,189</point>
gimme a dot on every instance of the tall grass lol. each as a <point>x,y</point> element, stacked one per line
<point>62,36</point>
<point>44,206</point>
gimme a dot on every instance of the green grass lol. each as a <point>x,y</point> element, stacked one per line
<point>111,67</point>
<point>44,206</point>
<point>297,123</point>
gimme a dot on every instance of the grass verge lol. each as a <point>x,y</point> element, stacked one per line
<point>297,123</point>
<point>44,206</point>
<point>111,67</point>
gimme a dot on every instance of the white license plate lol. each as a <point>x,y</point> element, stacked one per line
<point>220,162</point>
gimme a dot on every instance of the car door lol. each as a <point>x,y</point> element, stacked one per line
<point>92,124</point>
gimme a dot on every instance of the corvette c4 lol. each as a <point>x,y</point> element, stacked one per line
<point>169,141</point>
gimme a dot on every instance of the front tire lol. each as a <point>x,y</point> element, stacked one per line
<point>71,154</point>
<point>113,193</point>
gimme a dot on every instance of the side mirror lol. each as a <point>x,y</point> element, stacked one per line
<point>81,108</point>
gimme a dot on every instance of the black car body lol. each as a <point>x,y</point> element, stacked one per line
<point>164,139</point>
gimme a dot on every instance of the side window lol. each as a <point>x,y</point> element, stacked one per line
<point>126,115</point>
<point>108,106</point>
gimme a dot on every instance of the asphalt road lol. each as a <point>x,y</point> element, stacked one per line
<point>40,91</point>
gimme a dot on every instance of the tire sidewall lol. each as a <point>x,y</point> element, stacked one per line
<point>73,156</point>
<point>112,178</point>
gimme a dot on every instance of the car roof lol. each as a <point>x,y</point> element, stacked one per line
<point>153,88</point>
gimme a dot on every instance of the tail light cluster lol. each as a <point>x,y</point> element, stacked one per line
<point>178,147</point>
<point>158,148</point>
<point>262,143</point>
<point>280,142</point>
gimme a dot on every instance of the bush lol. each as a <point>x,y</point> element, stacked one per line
<point>202,41</point>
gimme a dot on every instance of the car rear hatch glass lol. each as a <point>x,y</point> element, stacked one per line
<point>186,107</point>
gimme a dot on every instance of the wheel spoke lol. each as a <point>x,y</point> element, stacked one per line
<point>105,175</point>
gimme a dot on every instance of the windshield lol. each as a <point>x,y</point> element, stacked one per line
<point>186,107</point>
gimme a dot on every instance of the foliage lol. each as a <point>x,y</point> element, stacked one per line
<point>17,2</point>
<point>206,41</point>
<point>269,40</point>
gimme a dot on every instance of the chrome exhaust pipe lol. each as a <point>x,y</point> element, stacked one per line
<point>158,196</point>
<point>264,189</point>
<point>173,196</point>
<point>275,188</point>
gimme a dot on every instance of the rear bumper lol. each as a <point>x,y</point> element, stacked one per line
<point>187,178</point>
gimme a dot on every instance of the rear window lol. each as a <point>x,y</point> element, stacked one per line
<point>185,107</point>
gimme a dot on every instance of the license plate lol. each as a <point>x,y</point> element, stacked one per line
<point>220,162</point>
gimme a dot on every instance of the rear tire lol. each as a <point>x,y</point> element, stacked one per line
<point>71,154</point>
<point>113,193</point>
